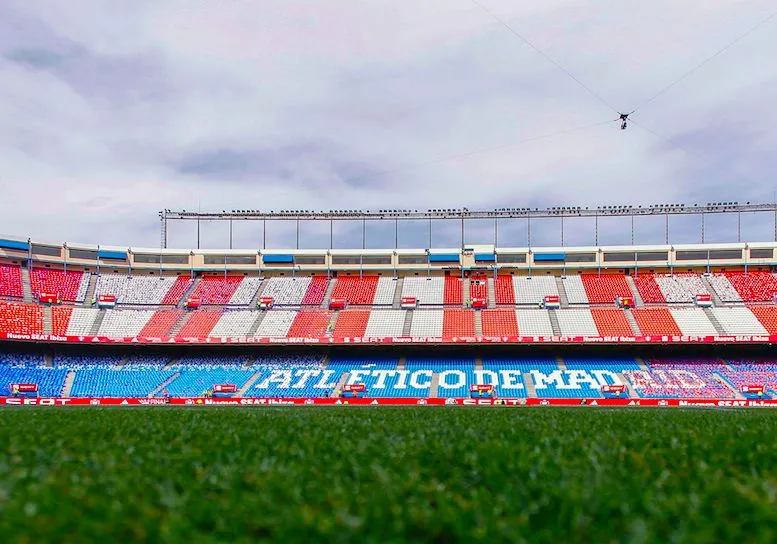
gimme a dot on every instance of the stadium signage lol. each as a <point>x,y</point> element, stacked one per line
<point>747,339</point>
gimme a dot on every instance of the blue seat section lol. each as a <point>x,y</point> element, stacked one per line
<point>130,382</point>
<point>24,368</point>
<point>84,362</point>
<point>290,376</point>
<point>456,374</point>
<point>381,376</point>
<point>509,376</point>
<point>198,374</point>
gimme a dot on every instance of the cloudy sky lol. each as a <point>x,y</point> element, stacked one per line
<point>113,110</point>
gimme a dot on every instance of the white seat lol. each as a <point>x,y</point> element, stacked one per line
<point>287,291</point>
<point>573,285</point>
<point>534,323</point>
<point>577,322</point>
<point>426,290</point>
<point>680,287</point>
<point>139,290</point>
<point>533,289</point>
<point>693,322</point>
<point>384,294</point>
<point>276,324</point>
<point>124,323</point>
<point>234,323</point>
<point>384,323</point>
<point>739,321</point>
<point>427,323</point>
<point>245,292</point>
<point>724,289</point>
<point>81,321</point>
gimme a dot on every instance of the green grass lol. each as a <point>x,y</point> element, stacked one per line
<point>387,475</point>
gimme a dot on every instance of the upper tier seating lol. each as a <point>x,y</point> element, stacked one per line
<point>739,321</point>
<point>60,319</point>
<point>11,281</point>
<point>351,324</point>
<point>754,286</point>
<point>767,315</point>
<point>124,323</point>
<point>427,323</point>
<point>137,290</point>
<point>605,288</point>
<point>316,291</point>
<point>385,323</point>
<point>177,291</point>
<point>501,322</point>
<point>71,286</point>
<point>693,322</point>
<point>235,323</point>
<point>219,289</point>
<point>161,323</point>
<point>357,291</point>
<point>81,321</point>
<point>200,324</point>
<point>21,318</point>
<point>310,324</point>
<point>575,290</point>
<point>453,291</point>
<point>478,287</point>
<point>677,288</point>
<point>534,323</point>
<point>458,323</point>
<point>276,324</point>
<point>246,291</point>
<point>503,290</point>
<point>384,295</point>
<point>656,322</point>
<point>577,322</point>
<point>722,286</point>
<point>287,291</point>
<point>611,322</point>
<point>426,290</point>
<point>533,289</point>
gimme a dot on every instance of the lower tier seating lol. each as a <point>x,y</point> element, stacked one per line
<point>656,322</point>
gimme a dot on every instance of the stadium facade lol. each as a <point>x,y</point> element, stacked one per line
<point>478,324</point>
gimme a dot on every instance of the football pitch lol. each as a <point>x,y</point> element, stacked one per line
<point>419,474</point>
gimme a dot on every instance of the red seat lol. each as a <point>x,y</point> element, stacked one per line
<point>754,286</point>
<point>160,323</point>
<point>200,324</point>
<point>458,323</point>
<point>11,281</point>
<point>216,289</point>
<point>478,287</point>
<point>357,291</point>
<point>504,291</point>
<point>606,288</point>
<point>767,315</point>
<point>21,318</point>
<point>648,289</point>
<point>60,319</point>
<point>656,322</point>
<point>316,291</point>
<point>176,292</point>
<point>499,322</point>
<point>56,282</point>
<point>351,323</point>
<point>611,322</point>
<point>453,294</point>
<point>311,324</point>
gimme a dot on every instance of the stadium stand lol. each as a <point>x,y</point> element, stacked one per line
<point>180,286</point>
<point>455,375</point>
<point>605,288</point>
<point>428,291</point>
<point>287,291</point>
<point>379,376</point>
<point>135,290</point>
<point>11,281</point>
<point>453,291</point>
<point>427,323</point>
<point>693,322</point>
<point>246,291</point>
<point>200,324</point>
<point>200,374</point>
<point>351,324</point>
<point>577,322</point>
<point>478,287</point>
<point>81,321</point>
<point>503,290</point>
<point>739,321</point>
<point>384,295</point>
<point>509,373</point>
<point>314,295</point>
<point>722,286</point>
<point>499,322</point>
<point>24,368</point>
<point>534,323</point>
<point>681,378</point>
<point>357,291</point>
<point>671,288</point>
<point>60,319</point>
<point>21,318</point>
<point>533,289</point>
<point>124,323</point>
<point>550,381</point>
<point>292,376</point>
<point>276,324</point>
<point>743,372</point>
<point>234,323</point>
<point>767,315</point>
<point>310,324</point>
<point>70,286</point>
<point>217,289</point>
<point>575,290</point>
<point>611,322</point>
<point>458,323</point>
<point>656,322</point>
<point>385,323</point>
<point>753,286</point>
<point>161,323</point>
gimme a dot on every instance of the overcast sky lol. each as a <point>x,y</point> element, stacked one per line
<point>113,110</point>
